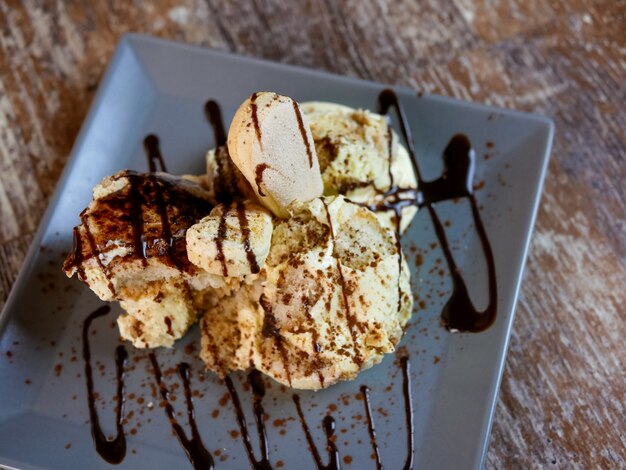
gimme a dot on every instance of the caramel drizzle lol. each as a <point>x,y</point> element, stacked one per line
<point>459,313</point>
<point>303,133</point>
<point>329,430</point>
<point>258,392</point>
<point>351,320</point>
<point>197,453</point>
<point>245,233</point>
<point>153,152</point>
<point>111,450</point>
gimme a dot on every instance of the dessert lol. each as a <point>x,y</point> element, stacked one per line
<point>360,157</point>
<point>130,247</point>
<point>275,249</point>
<point>332,301</point>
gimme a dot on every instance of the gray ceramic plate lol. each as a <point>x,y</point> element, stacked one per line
<point>159,87</point>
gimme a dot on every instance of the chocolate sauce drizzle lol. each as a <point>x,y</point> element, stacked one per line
<point>136,218</point>
<point>258,177</point>
<point>329,430</point>
<point>255,117</point>
<point>153,152</point>
<point>213,114</point>
<point>111,450</point>
<point>459,313</point>
<point>365,390</point>
<point>408,408</point>
<point>245,233</point>
<point>219,241</point>
<point>197,453</point>
<point>303,133</point>
<point>270,330</point>
<point>352,322</point>
<point>397,212</point>
<point>408,412</point>
<point>76,258</point>
<point>226,179</point>
<point>258,392</point>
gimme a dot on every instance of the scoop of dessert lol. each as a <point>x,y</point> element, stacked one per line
<point>333,300</point>
<point>233,240</point>
<point>361,158</point>
<point>130,246</point>
<point>269,140</point>
<point>311,297</point>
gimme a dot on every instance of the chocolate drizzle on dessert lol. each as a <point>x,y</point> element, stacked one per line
<point>224,180</point>
<point>197,453</point>
<point>213,114</point>
<point>370,425</point>
<point>270,330</point>
<point>111,450</point>
<point>151,145</point>
<point>397,212</point>
<point>352,322</point>
<point>459,313</point>
<point>93,246</point>
<point>255,117</point>
<point>245,233</point>
<point>76,256</point>
<point>390,155</point>
<point>168,324</point>
<point>219,240</point>
<point>141,217</point>
<point>153,152</point>
<point>136,217</point>
<point>315,337</point>
<point>258,392</point>
<point>258,177</point>
<point>303,133</point>
<point>329,430</point>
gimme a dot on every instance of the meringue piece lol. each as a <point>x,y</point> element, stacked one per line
<point>335,297</point>
<point>233,240</point>
<point>156,314</point>
<point>360,157</point>
<point>270,142</point>
<point>130,247</point>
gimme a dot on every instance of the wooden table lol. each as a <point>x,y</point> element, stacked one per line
<point>563,397</point>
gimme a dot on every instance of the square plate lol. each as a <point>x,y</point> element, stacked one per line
<point>154,86</point>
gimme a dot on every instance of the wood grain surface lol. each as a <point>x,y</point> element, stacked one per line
<point>563,397</point>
